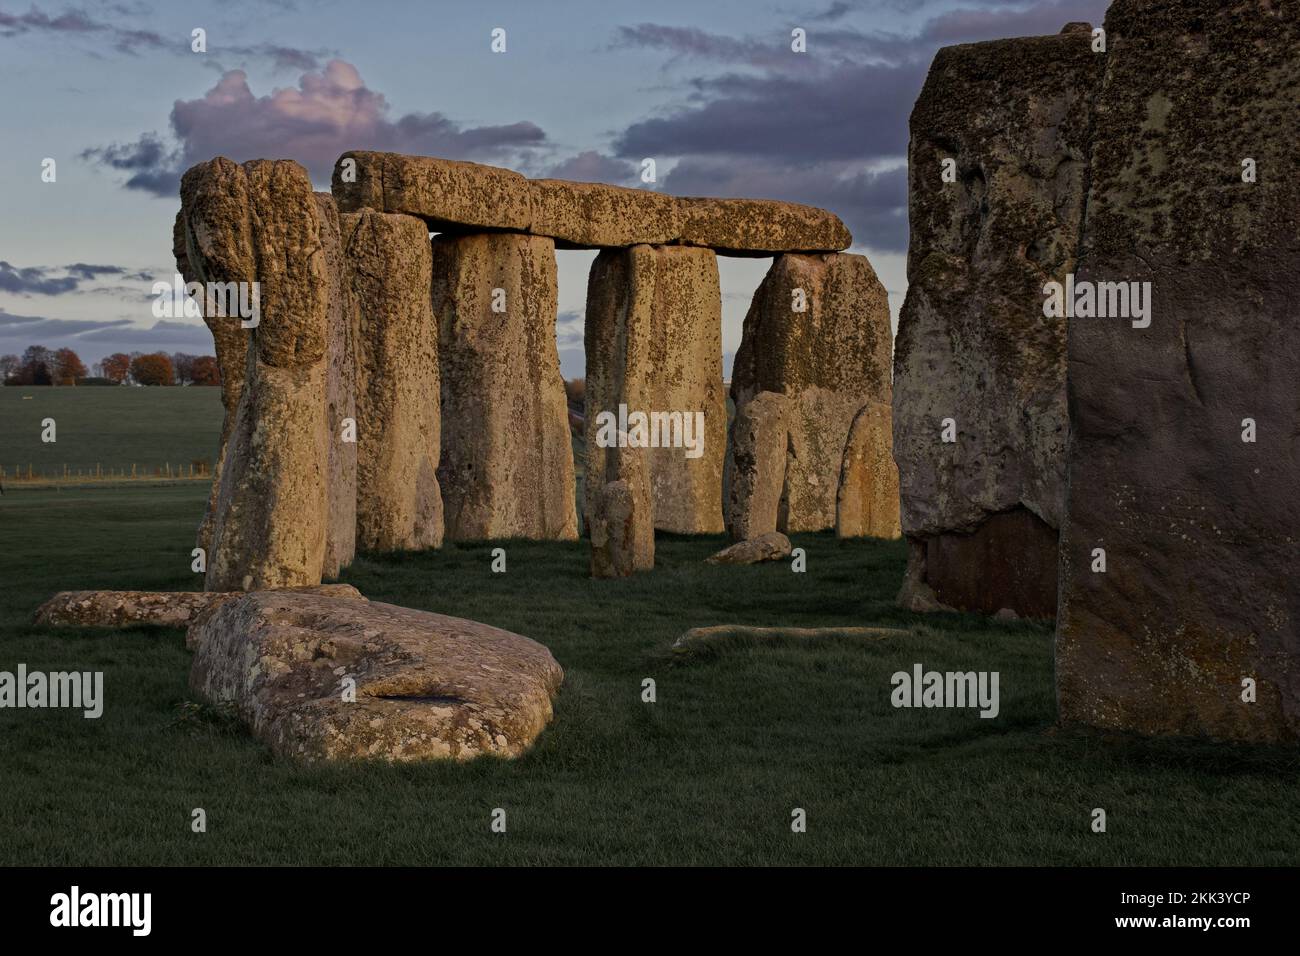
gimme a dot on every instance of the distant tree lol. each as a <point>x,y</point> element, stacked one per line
<point>9,366</point>
<point>116,367</point>
<point>68,367</point>
<point>576,390</point>
<point>37,365</point>
<point>183,365</point>
<point>205,371</point>
<point>153,369</point>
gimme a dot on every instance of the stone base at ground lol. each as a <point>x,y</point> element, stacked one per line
<point>1009,561</point>
<point>334,679</point>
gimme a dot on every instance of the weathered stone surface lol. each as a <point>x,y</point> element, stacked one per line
<point>754,481</point>
<point>583,215</point>
<point>451,196</point>
<point>828,361</point>
<point>260,222</point>
<point>653,338</point>
<point>507,458</point>
<point>973,344</point>
<point>622,540</point>
<point>866,504</point>
<point>752,227</point>
<point>387,264</point>
<point>427,686</point>
<point>163,608</point>
<point>340,400</point>
<point>211,234</point>
<point>1201,529</point>
<point>462,197</point>
<point>702,638</point>
<point>766,547</point>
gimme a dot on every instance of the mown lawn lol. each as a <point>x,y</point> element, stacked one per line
<point>110,427</point>
<point>708,774</point>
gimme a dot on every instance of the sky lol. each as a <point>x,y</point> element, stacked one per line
<point>586,89</point>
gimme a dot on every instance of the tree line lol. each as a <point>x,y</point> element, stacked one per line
<point>41,366</point>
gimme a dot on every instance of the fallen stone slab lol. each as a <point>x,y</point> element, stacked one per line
<point>453,196</point>
<point>766,547</point>
<point>331,679</point>
<point>701,637</point>
<point>163,608</point>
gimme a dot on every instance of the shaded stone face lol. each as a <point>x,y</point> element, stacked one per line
<point>973,344</point>
<point>260,222</point>
<point>654,346</point>
<point>423,686</point>
<point>387,265</point>
<point>866,504</point>
<point>817,333</point>
<point>1201,530</point>
<point>755,467</point>
<point>622,540</point>
<point>340,400</point>
<point>507,458</point>
<point>1009,561</point>
<point>459,197</point>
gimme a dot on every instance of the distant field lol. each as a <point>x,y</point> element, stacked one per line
<point>109,427</point>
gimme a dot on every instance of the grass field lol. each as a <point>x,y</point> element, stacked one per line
<point>109,427</point>
<point>707,774</point>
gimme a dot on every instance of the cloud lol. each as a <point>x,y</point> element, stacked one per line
<point>93,339</point>
<point>47,280</point>
<point>33,280</point>
<point>594,167</point>
<point>873,204</point>
<point>79,24</point>
<point>330,111</point>
<point>829,127</point>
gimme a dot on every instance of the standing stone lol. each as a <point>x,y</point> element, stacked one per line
<point>387,264</point>
<point>211,233</point>
<point>1201,529</point>
<point>818,333</point>
<point>340,400</point>
<point>867,502</point>
<point>973,344</point>
<point>654,345</point>
<point>507,458</point>
<point>755,479</point>
<point>260,222</point>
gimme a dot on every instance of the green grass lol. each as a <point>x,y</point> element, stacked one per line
<point>708,774</point>
<point>110,427</point>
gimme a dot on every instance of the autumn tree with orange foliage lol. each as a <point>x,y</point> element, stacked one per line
<point>116,367</point>
<point>155,369</point>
